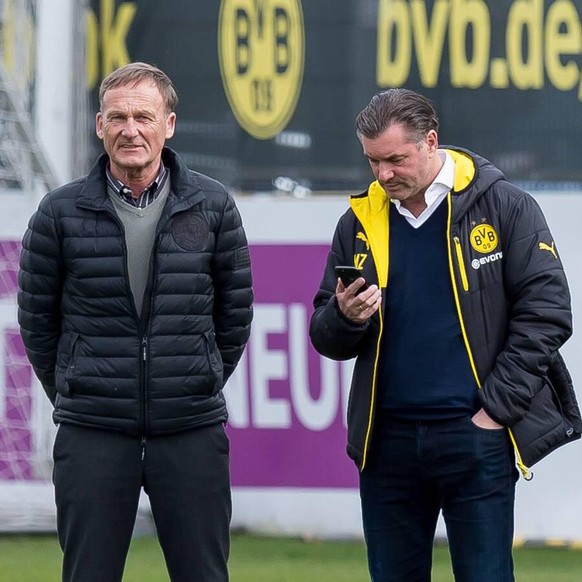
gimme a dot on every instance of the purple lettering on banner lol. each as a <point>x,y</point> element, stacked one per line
<point>16,442</point>
<point>9,257</point>
<point>16,438</point>
<point>287,405</point>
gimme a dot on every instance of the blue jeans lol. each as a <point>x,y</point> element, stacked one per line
<point>417,469</point>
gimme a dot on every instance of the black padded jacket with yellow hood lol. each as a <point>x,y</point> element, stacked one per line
<point>512,301</point>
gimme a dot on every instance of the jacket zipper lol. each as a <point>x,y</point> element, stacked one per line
<point>144,318</point>
<point>525,470</point>
<point>376,357</point>
<point>373,394</point>
<point>144,358</point>
<point>461,263</point>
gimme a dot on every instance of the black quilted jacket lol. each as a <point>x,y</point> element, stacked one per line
<point>100,362</point>
<point>512,300</point>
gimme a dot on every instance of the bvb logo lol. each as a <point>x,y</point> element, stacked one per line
<point>261,53</point>
<point>484,238</point>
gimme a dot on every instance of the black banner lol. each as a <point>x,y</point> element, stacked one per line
<point>269,89</point>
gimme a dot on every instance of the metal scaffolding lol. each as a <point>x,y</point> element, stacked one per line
<point>23,165</point>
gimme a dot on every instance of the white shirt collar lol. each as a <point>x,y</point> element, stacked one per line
<point>434,194</point>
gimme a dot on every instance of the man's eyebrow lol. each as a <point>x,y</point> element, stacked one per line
<point>109,112</point>
<point>132,112</point>
<point>390,157</point>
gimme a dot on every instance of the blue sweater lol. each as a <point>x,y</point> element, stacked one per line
<point>424,372</point>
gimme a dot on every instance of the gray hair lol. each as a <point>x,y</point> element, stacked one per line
<point>135,73</point>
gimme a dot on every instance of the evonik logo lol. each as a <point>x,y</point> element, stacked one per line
<point>476,263</point>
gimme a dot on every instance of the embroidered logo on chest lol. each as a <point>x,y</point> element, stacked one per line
<point>190,232</point>
<point>484,239</point>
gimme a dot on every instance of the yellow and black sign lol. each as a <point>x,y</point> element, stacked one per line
<point>484,238</point>
<point>106,38</point>
<point>271,88</point>
<point>541,44</point>
<point>261,53</point>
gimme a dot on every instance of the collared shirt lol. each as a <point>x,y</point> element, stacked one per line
<point>434,194</point>
<point>148,195</point>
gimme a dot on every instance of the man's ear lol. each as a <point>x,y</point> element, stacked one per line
<point>432,141</point>
<point>99,125</point>
<point>170,125</point>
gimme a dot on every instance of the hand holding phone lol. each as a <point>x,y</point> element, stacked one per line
<point>348,274</point>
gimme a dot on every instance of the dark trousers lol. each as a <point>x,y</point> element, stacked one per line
<point>98,476</point>
<point>417,469</point>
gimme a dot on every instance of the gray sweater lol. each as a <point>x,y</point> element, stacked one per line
<point>140,232</point>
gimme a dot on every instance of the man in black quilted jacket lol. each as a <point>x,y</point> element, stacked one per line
<point>135,305</point>
<point>458,375</point>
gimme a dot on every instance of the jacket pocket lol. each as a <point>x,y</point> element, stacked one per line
<point>461,264</point>
<point>553,419</point>
<point>66,363</point>
<point>214,362</point>
<point>561,382</point>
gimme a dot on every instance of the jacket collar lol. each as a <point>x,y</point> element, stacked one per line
<point>185,189</point>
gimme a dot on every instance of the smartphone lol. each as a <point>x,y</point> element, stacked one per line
<point>348,274</point>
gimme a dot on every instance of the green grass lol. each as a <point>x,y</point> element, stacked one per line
<point>263,559</point>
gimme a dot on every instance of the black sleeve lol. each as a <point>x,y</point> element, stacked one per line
<point>39,295</point>
<point>540,317</point>
<point>233,292</point>
<point>331,333</point>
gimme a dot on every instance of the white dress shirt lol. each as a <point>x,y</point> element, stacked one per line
<point>434,194</point>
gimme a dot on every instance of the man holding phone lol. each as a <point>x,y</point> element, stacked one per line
<point>457,375</point>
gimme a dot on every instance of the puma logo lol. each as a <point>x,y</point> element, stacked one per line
<point>362,236</point>
<point>551,249</point>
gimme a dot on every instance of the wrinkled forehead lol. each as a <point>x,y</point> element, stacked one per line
<point>135,92</point>
<point>144,86</point>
